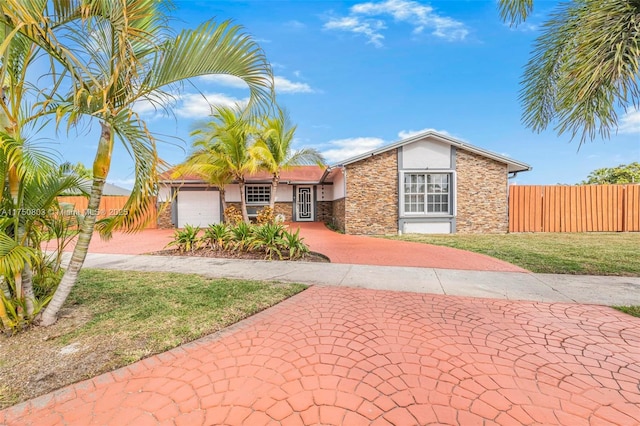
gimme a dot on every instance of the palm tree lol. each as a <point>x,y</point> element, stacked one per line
<point>275,149</point>
<point>584,65</point>
<point>228,140</point>
<point>117,54</point>
<point>206,163</point>
<point>23,166</point>
<point>22,228</point>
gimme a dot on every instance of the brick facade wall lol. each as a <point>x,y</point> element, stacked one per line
<point>324,211</point>
<point>164,215</point>
<point>372,195</point>
<point>481,194</point>
<point>337,218</point>
<point>285,209</point>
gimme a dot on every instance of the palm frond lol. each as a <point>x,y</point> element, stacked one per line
<point>515,12</point>
<point>43,197</point>
<point>276,145</point>
<point>140,144</point>
<point>584,66</point>
<point>13,256</point>
<point>28,160</point>
<point>213,48</point>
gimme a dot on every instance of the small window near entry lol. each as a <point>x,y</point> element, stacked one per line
<point>427,193</point>
<point>258,194</point>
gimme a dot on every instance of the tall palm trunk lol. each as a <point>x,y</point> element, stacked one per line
<point>22,278</point>
<point>101,166</point>
<point>223,198</point>
<point>27,288</point>
<point>274,189</point>
<point>243,201</point>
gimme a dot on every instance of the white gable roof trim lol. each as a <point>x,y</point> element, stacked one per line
<point>514,166</point>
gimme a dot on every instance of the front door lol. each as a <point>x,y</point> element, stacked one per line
<point>304,204</point>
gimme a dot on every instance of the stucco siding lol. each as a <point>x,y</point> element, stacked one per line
<point>324,192</point>
<point>338,186</point>
<point>426,154</point>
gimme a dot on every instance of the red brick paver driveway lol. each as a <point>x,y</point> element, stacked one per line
<point>353,356</point>
<point>351,249</point>
<point>142,242</point>
<point>363,250</point>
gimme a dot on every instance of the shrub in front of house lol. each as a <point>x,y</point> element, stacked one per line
<point>272,240</point>
<point>266,215</point>
<point>186,239</point>
<point>217,237</point>
<point>232,216</point>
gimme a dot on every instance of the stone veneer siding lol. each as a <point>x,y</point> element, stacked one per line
<point>372,195</point>
<point>285,209</point>
<point>324,211</point>
<point>337,219</point>
<point>164,215</point>
<point>482,185</point>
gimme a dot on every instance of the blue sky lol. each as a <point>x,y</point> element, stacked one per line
<point>357,75</point>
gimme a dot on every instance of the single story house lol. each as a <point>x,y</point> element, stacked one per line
<point>427,183</point>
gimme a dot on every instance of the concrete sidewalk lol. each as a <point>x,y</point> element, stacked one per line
<point>497,285</point>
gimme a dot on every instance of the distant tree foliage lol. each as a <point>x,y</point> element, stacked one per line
<point>78,169</point>
<point>624,173</point>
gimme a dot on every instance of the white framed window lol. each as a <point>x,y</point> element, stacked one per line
<point>258,194</point>
<point>427,193</point>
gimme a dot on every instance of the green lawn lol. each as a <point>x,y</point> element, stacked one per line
<point>114,318</point>
<point>631,310</point>
<point>557,253</point>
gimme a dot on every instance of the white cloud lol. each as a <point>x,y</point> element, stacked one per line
<point>284,85</point>
<point>188,105</point>
<point>225,80</point>
<point>420,17</point>
<point>154,104</point>
<point>369,28</point>
<point>196,105</point>
<point>404,134</point>
<point>295,25</point>
<point>630,122</point>
<point>342,149</point>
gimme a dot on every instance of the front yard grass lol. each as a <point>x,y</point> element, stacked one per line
<point>555,253</point>
<point>631,310</point>
<point>115,318</point>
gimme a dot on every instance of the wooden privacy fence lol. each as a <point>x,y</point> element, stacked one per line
<point>110,205</point>
<point>584,208</point>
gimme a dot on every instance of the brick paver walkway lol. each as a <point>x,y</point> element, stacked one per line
<point>353,356</point>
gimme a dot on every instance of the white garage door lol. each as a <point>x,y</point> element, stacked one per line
<point>198,208</point>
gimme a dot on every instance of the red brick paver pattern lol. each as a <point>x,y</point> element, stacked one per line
<point>146,241</point>
<point>351,249</point>
<point>359,357</point>
<point>363,250</point>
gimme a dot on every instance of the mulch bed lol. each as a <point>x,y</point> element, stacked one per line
<point>310,257</point>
